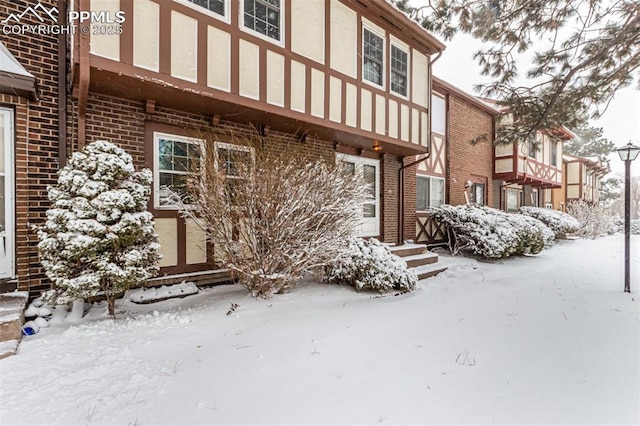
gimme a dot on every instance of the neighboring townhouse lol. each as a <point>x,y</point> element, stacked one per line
<point>459,169</point>
<point>530,171</point>
<point>347,78</point>
<point>582,179</point>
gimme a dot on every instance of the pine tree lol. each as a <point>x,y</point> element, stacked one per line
<point>98,238</point>
<point>582,54</point>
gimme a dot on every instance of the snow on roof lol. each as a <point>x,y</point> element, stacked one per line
<point>9,64</point>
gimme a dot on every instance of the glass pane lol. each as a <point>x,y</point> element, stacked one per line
<point>2,142</point>
<point>368,210</point>
<point>438,116</point>
<point>180,148</point>
<point>348,168</point>
<point>422,193</point>
<point>369,176</point>
<point>479,194</point>
<point>512,200</point>
<point>181,164</point>
<point>3,217</point>
<point>165,147</point>
<point>165,162</point>
<point>437,192</point>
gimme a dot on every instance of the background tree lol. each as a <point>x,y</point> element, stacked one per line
<point>98,238</point>
<point>273,208</point>
<point>582,52</point>
<point>589,143</point>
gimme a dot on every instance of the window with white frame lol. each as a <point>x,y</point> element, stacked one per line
<point>429,192</point>
<point>263,17</point>
<point>399,67</point>
<point>372,57</point>
<point>532,148</point>
<point>216,6</point>
<point>235,162</point>
<point>175,158</point>
<point>478,191</point>
<point>7,208</point>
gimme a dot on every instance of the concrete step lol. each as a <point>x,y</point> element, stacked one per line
<point>8,348</point>
<point>420,259</point>
<point>428,271</point>
<point>408,249</point>
<point>11,319</point>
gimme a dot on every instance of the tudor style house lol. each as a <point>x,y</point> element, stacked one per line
<point>349,79</point>
<point>457,170</point>
<point>582,178</point>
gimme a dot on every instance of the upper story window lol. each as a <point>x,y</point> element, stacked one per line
<point>554,153</point>
<point>175,158</point>
<point>438,115</point>
<point>372,57</point>
<point>263,17</point>
<point>399,61</point>
<point>532,149</point>
<point>215,6</point>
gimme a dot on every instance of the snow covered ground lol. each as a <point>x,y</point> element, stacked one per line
<point>548,339</point>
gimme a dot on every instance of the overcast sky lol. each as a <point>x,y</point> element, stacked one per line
<point>621,122</point>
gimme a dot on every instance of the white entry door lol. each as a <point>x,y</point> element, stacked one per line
<point>369,170</point>
<point>6,193</point>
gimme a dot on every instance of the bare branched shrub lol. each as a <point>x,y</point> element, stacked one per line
<point>595,220</point>
<point>272,209</point>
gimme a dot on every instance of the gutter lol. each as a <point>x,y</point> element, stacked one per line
<point>83,81</point>
<point>401,206</point>
<point>62,90</point>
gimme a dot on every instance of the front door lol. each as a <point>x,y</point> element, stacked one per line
<point>369,171</point>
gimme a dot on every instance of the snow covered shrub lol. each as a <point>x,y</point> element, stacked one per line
<point>98,237</point>
<point>635,227</point>
<point>595,220</point>
<point>272,209</point>
<point>560,223</point>
<point>370,265</point>
<point>492,233</point>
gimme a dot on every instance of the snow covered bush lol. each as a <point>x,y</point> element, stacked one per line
<point>635,227</point>
<point>370,265</point>
<point>560,223</point>
<point>594,219</point>
<point>272,208</point>
<point>492,233</point>
<point>98,238</point>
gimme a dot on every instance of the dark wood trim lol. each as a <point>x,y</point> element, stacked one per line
<point>202,43</point>
<point>126,38</point>
<point>164,42</point>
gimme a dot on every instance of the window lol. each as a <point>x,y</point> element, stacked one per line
<point>478,191</point>
<point>6,194</point>
<point>175,157</point>
<point>438,115</point>
<point>512,199</point>
<point>372,57</point>
<point>548,205</point>
<point>215,6</point>
<point>554,153</point>
<point>234,161</point>
<point>429,192</point>
<point>399,60</point>
<point>532,149</point>
<point>535,199</point>
<point>263,17</point>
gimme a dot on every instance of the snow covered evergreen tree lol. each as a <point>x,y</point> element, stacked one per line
<point>98,237</point>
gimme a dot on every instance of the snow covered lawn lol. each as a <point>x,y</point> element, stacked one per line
<point>548,339</point>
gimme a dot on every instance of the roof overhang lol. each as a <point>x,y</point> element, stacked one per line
<point>14,79</point>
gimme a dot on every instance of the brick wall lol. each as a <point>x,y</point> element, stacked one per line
<point>467,161</point>
<point>36,144</point>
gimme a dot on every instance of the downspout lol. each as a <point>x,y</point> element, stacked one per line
<point>62,89</point>
<point>401,206</point>
<point>83,80</point>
